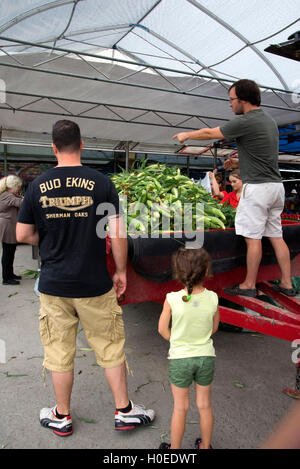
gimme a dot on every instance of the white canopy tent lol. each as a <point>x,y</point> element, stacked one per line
<point>138,71</point>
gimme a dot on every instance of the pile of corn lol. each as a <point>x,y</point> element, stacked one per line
<point>150,193</point>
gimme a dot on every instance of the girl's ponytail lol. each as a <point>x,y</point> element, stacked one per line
<point>189,286</point>
<point>191,267</point>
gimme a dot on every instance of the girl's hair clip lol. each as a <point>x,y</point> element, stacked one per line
<point>188,297</point>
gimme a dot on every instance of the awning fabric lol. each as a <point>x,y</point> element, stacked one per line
<point>139,71</point>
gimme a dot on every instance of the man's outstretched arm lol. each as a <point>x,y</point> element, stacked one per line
<point>201,134</point>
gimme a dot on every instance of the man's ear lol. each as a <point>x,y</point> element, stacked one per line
<point>81,145</point>
<point>54,148</point>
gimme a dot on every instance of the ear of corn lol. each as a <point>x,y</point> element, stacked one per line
<point>158,195</point>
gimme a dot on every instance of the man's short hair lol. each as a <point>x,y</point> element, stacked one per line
<point>247,90</point>
<point>66,136</point>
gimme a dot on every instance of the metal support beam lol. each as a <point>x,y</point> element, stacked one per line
<point>142,64</point>
<point>127,156</point>
<point>188,165</point>
<point>5,160</point>
<point>215,154</point>
<point>135,85</point>
<point>242,38</point>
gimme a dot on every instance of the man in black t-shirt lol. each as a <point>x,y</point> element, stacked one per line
<point>64,212</point>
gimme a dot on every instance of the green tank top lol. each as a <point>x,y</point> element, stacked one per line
<point>192,324</point>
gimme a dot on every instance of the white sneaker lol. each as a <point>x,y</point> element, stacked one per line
<point>137,416</point>
<point>61,427</point>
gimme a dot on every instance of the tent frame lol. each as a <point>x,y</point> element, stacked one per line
<point>56,53</point>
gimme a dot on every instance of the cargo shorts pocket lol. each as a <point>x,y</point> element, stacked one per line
<point>44,329</point>
<point>118,331</point>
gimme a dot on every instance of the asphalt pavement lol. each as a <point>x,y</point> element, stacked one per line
<point>251,371</point>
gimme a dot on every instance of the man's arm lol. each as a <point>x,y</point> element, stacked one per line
<point>119,249</point>
<point>231,163</point>
<point>201,134</point>
<point>27,234</point>
<point>14,201</point>
<point>207,134</point>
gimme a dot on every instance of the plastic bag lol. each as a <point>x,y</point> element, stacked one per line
<point>205,182</point>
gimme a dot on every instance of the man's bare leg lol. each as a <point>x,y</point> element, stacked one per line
<point>254,254</point>
<point>63,384</point>
<point>117,380</point>
<point>283,258</point>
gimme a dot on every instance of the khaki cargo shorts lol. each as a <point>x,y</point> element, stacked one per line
<point>259,210</point>
<point>102,322</point>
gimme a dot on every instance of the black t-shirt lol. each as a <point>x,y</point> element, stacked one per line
<point>68,205</point>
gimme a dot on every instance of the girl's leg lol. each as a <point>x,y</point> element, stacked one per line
<point>206,416</point>
<point>181,406</point>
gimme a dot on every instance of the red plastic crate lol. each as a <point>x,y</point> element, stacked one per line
<point>290,216</point>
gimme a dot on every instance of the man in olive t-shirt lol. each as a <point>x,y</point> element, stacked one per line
<point>256,136</point>
<point>262,199</point>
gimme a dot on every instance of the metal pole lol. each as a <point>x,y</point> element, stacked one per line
<point>115,162</point>
<point>215,154</point>
<point>127,156</point>
<point>188,165</point>
<point>5,160</point>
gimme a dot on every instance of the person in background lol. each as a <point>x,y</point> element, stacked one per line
<point>292,202</point>
<point>217,185</point>
<point>232,198</point>
<point>297,201</point>
<point>260,207</point>
<point>62,212</point>
<point>195,318</point>
<point>10,204</point>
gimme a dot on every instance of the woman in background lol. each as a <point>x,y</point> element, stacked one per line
<point>233,197</point>
<point>217,186</point>
<point>10,203</point>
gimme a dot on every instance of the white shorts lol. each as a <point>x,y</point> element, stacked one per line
<point>259,210</point>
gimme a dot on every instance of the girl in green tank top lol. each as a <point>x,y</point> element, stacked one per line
<point>195,317</point>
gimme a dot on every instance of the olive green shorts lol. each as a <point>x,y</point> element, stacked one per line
<point>102,322</point>
<point>183,371</point>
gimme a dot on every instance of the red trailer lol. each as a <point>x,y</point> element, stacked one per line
<point>149,278</point>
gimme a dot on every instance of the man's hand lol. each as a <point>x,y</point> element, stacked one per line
<point>231,163</point>
<point>181,137</point>
<point>119,281</point>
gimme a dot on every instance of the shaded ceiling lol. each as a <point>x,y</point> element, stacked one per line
<point>140,71</point>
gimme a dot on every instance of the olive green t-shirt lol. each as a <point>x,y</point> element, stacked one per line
<point>257,140</point>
